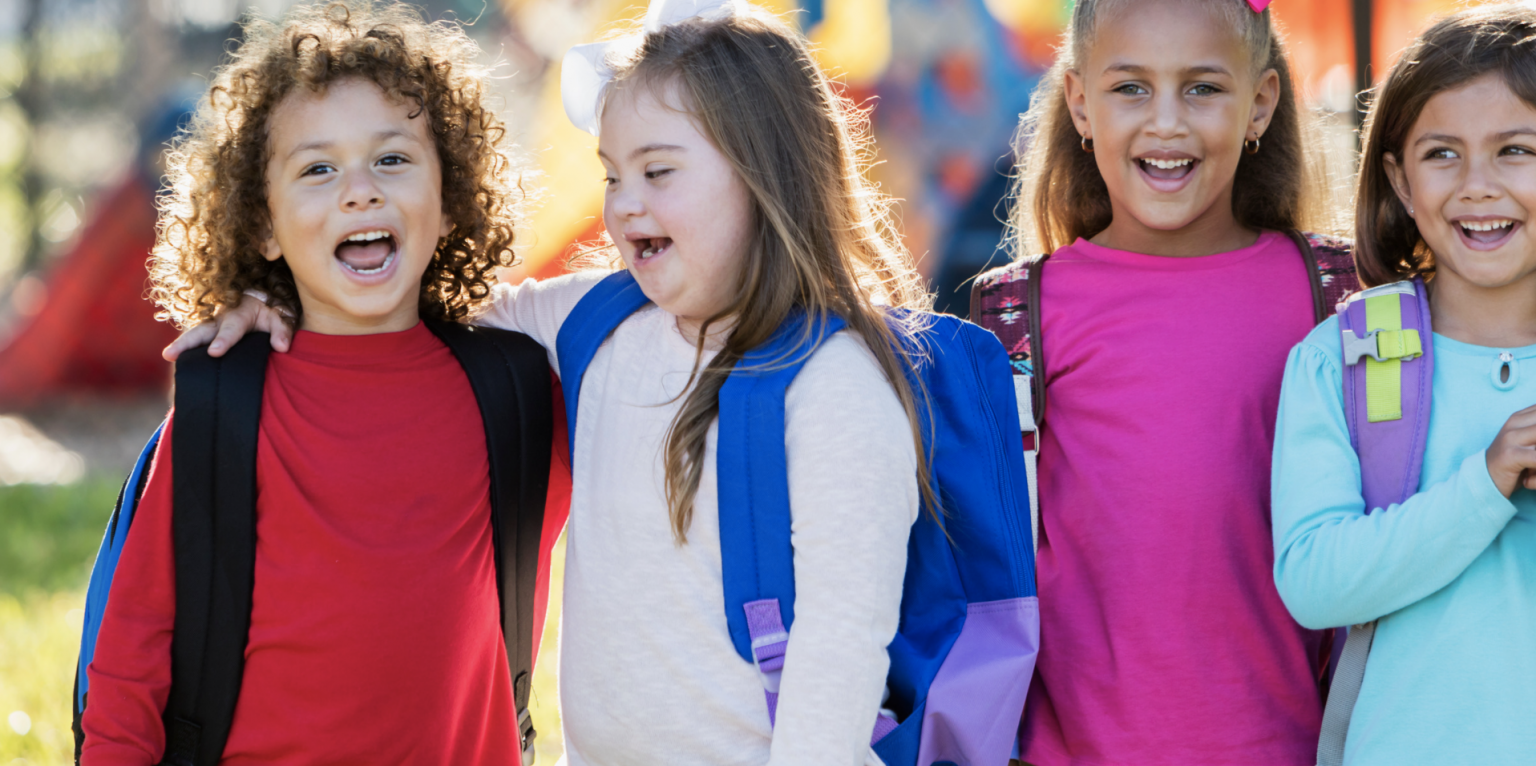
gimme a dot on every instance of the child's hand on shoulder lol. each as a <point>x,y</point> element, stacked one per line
<point>1512,456</point>
<point>230,326</point>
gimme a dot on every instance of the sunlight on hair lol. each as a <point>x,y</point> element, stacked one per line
<point>29,457</point>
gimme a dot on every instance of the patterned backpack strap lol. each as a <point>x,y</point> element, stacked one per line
<point>1007,302</point>
<point>1332,264</point>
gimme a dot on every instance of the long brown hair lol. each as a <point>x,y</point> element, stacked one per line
<point>1061,196</point>
<point>1458,49</point>
<point>213,211</point>
<point>823,240</point>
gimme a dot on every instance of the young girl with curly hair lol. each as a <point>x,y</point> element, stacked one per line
<point>344,163</point>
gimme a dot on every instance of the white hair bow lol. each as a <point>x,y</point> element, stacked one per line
<point>585,72</point>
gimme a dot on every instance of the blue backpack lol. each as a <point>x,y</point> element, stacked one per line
<point>965,650</point>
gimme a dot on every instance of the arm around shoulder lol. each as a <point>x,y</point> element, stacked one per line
<point>538,307</point>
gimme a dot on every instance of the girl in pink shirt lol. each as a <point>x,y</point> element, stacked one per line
<point>1166,173</point>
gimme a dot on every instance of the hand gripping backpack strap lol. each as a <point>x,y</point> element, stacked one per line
<point>102,572</point>
<point>1388,377</point>
<point>757,558</point>
<point>509,374</point>
<point>218,410</point>
<point>594,318</point>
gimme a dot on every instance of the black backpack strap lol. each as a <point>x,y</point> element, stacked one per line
<point>510,376</point>
<point>1314,276</point>
<point>218,409</point>
<point>1036,347</point>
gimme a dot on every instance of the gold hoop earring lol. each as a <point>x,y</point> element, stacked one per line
<point>1251,146</point>
<point>1087,144</point>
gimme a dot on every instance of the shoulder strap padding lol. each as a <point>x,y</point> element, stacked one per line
<point>509,374</point>
<point>218,411</point>
<point>752,473</point>
<point>594,318</point>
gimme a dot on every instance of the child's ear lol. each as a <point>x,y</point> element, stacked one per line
<point>270,249</point>
<point>446,228</point>
<point>1398,176</point>
<point>1077,103</point>
<point>1265,99</point>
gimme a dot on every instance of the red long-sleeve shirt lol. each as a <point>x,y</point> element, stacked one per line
<point>375,632</point>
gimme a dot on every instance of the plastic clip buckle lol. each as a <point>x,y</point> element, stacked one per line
<point>527,735</point>
<point>1356,347</point>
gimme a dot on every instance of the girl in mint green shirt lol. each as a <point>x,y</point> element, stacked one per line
<point>1448,191</point>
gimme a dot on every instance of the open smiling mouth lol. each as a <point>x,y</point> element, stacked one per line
<point>1170,170</point>
<point>367,252</point>
<point>1486,232</point>
<point>651,247</point>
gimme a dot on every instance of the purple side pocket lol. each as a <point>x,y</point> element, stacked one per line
<point>974,704</point>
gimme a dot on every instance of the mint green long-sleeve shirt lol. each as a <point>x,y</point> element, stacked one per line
<point>1450,574</point>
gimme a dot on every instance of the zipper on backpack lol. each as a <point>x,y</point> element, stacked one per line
<point>1004,480</point>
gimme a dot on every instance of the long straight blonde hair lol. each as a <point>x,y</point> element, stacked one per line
<point>823,241</point>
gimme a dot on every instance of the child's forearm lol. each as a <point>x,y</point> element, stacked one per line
<point>537,308</point>
<point>1334,564</point>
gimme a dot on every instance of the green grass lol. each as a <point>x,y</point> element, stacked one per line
<point>48,540</point>
<point>49,534</point>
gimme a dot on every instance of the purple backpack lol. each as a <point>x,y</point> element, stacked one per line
<point>1388,375</point>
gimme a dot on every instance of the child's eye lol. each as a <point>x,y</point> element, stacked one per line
<point>1129,89</point>
<point>658,173</point>
<point>1517,150</point>
<point>1204,89</point>
<point>316,169</point>
<point>393,159</point>
<point>1440,153</point>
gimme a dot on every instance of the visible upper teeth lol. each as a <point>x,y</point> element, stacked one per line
<point>1167,164</point>
<point>1485,225</point>
<point>367,236</point>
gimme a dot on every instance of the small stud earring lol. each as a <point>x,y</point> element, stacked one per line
<point>1087,144</point>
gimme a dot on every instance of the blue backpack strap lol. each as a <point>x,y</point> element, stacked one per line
<point>594,318</point>
<point>102,572</point>
<point>752,471</point>
<point>1389,352</point>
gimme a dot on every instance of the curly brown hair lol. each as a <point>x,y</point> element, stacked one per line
<point>213,211</point>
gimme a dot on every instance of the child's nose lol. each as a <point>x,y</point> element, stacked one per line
<point>360,193</point>
<point>1167,115</point>
<point>626,205</point>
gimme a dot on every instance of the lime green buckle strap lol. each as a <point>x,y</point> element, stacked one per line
<point>1384,371</point>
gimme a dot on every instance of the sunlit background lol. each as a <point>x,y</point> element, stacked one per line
<point>90,90</point>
